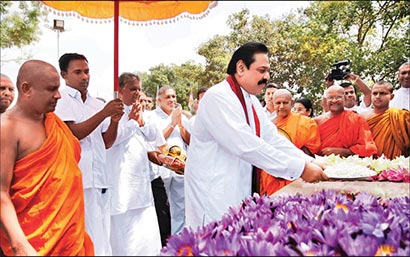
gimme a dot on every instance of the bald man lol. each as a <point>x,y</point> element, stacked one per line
<point>42,202</point>
<point>6,92</point>
<point>301,130</point>
<point>390,126</point>
<point>343,132</point>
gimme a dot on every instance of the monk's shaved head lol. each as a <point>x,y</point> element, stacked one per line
<point>282,92</point>
<point>335,89</point>
<point>282,102</point>
<point>33,72</point>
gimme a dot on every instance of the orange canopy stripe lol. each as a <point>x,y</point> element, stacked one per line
<point>132,10</point>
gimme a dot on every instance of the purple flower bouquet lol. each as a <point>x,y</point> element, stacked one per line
<point>328,223</point>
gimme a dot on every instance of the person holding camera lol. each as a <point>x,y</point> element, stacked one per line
<point>341,71</point>
<point>351,101</point>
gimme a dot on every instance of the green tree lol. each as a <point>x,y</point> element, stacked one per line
<point>181,78</point>
<point>19,26</point>
<point>374,35</point>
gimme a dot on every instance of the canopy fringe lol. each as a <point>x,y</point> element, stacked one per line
<point>127,21</point>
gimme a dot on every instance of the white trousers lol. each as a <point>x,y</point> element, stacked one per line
<point>136,233</point>
<point>174,186</point>
<point>97,219</point>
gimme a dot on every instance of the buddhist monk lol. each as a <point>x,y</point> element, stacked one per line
<point>42,202</point>
<point>343,132</point>
<point>301,130</point>
<point>390,126</point>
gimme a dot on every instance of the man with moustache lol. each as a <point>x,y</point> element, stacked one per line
<point>42,199</point>
<point>132,208</point>
<point>6,92</point>
<point>233,137</point>
<point>86,116</point>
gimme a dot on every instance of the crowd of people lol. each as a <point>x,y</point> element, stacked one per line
<point>80,176</point>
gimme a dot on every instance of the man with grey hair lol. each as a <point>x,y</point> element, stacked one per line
<point>6,92</point>
<point>174,125</point>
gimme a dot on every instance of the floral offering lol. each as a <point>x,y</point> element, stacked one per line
<point>328,223</point>
<point>380,169</point>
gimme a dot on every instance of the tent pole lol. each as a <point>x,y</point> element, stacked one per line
<point>116,29</point>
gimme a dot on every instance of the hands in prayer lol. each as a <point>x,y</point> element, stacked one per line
<point>136,114</point>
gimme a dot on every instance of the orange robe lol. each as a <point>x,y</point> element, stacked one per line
<point>47,193</point>
<point>348,130</point>
<point>391,132</point>
<point>303,132</point>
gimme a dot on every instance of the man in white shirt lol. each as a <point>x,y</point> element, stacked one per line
<point>86,117</point>
<point>201,92</point>
<point>168,115</point>
<point>268,97</point>
<point>231,135</point>
<point>351,101</point>
<point>401,98</point>
<point>134,224</point>
<point>157,184</point>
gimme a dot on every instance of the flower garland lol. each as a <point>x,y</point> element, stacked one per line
<point>328,223</point>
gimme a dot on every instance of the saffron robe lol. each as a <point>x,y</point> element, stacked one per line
<point>302,131</point>
<point>391,132</point>
<point>348,130</point>
<point>47,193</point>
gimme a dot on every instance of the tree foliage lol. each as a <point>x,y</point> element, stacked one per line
<point>181,78</point>
<point>374,35</point>
<point>303,45</point>
<point>21,26</point>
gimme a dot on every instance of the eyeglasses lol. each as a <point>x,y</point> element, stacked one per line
<point>337,97</point>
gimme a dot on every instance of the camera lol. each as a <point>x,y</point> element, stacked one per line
<point>340,70</point>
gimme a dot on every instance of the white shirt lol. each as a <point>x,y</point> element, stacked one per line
<point>360,108</point>
<point>93,153</point>
<point>401,98</point>
<point>163,120</point>
<point>269,115</point>
<point>129,166</point>
<point>222,150</point>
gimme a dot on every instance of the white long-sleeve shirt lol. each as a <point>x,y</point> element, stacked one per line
<point>93,153</point>
<point>222,150</point>
<point>401,98</point>
<point>129,166</point>
<point>163,120</point>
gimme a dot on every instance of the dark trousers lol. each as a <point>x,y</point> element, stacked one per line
<point>162,209</point>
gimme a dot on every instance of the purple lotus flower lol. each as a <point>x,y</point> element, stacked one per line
<point>327,223</point>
